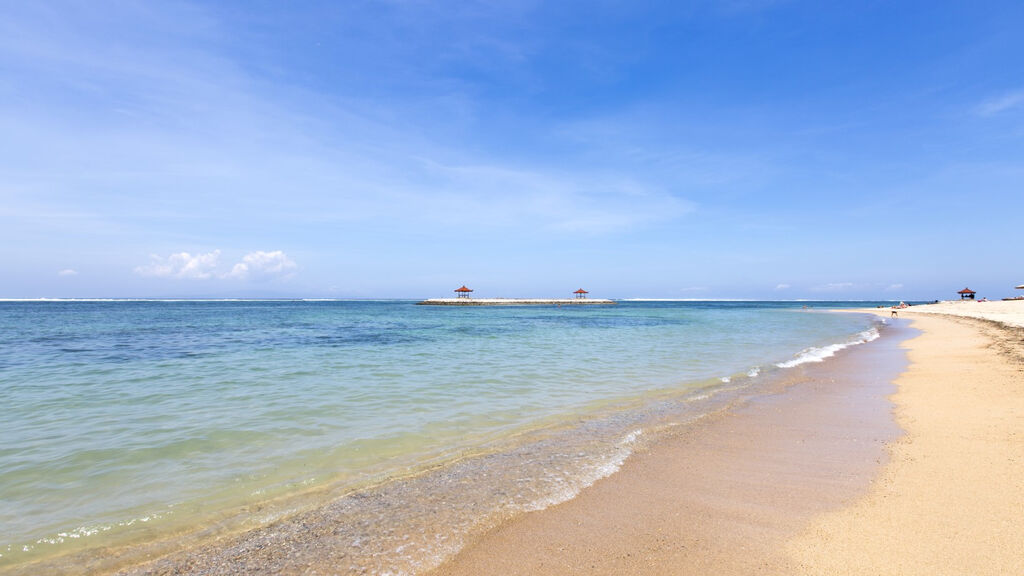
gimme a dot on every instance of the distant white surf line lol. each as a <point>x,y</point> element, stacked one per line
<point>816,354</point>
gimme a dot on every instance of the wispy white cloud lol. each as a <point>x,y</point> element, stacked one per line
<point>67,272</point>
<point>892,287</point>
<point>191,123</point>
<point>537,200</point>
<point>641,136</point>
<point>261,265</point>
<point>782,286</point>
<point>999,104</point>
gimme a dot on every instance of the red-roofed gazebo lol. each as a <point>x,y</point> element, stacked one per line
<point>462,291</point>
<point>966,294</point>
<point>581,293</point>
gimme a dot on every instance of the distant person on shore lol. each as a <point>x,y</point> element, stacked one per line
<point>894,314</point>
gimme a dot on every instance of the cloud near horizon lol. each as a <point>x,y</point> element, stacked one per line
<point>257,265</point>
<point>263,266</point>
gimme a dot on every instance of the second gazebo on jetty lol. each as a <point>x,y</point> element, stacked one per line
<point>462,291</point>
<point>581,293</point>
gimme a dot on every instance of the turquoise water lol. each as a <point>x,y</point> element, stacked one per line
<point>125,419</point>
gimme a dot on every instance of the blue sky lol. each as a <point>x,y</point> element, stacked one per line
<point>732,149</point>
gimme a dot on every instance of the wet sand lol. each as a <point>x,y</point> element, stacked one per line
<point>721,497</point>
<point>951,500</point>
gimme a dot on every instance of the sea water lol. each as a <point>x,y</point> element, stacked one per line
<point>127,421</point>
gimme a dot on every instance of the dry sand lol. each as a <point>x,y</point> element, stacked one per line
<point>786,486</point>
<point>951,500</point>
<point>1009,312</point>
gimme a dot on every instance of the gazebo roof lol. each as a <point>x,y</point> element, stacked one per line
<point>581,291</point>
<point>463,289</point>
<point>966,291</point>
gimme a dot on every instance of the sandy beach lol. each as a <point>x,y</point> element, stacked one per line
<point>1008,312</point>
<point>952,497</point>
<point>814,480</point>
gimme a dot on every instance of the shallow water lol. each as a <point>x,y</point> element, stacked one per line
<point>128,420</point>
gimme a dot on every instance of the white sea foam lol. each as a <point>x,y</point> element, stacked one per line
<point>754,372</point>
<point>819,354</point>
<point>726,379</point>
<point>86,531</point>
<point>571,487</point>
<point>631,437</point>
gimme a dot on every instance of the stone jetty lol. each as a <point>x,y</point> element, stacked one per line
<point>514,301</point>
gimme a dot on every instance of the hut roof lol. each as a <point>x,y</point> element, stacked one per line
<point>966,291</point>
<point>463,289</point>
<point>581,291</point>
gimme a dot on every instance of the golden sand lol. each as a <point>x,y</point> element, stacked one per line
<point>951,500</point>
<point>1008,312</point>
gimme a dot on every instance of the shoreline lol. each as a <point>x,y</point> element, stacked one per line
<point>721,497</point>
<point>951,499</point>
